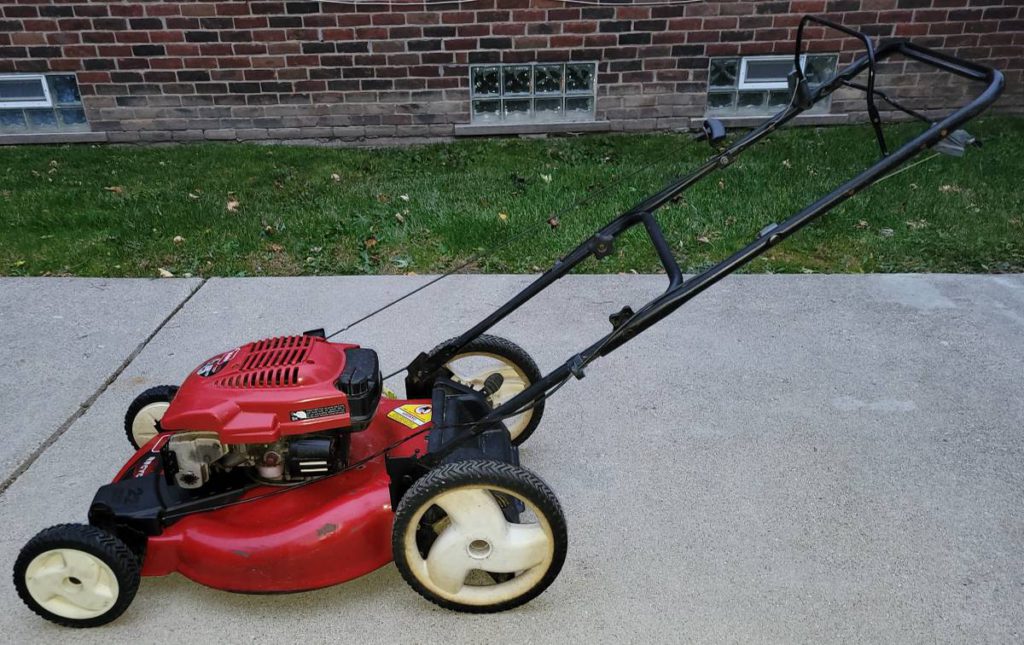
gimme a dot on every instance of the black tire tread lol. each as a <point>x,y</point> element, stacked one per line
<point>490,472</point>
<point>156,394</point>
<point>507,349</point>
<point>92,540</point>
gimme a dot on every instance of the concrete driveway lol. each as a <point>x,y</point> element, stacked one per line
<point>787,459</point>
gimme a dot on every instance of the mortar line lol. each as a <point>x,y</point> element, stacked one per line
<point>84,407</point>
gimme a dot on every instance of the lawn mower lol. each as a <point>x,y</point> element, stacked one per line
<point>284,464</point>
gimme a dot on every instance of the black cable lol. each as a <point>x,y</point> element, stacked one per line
<point>888,99</point>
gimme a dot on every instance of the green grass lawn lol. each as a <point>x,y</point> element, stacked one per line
<point>232,209</point>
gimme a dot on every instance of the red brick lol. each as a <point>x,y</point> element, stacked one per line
<point>338,34</point>
<point>663,50</point>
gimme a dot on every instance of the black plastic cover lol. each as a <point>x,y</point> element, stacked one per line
<point>306,454</point>
<point>361,382</point>
<point>144,504</point>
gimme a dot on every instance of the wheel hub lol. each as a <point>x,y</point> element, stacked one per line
<point>479,549</point>
<point>72,583</point>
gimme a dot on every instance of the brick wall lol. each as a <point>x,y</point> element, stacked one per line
<point>158,71</point>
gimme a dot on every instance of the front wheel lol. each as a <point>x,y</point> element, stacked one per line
<point>76,575</point>
<point>479,536</point>
<point>142,421</point>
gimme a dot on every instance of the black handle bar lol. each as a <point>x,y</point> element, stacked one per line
<point>869,46</point>
<point>626,323</point>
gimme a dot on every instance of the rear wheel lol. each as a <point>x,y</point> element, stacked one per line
<point>479,536</point>
<point>76,575</point>
<point>142,421</point>
<point>487,355</point>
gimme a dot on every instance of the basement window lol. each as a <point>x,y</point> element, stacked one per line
<point>40,103</point>
<point>758,85</point>
<point>532,93</point>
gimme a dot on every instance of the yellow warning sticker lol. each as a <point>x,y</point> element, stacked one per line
<point>411,415</point>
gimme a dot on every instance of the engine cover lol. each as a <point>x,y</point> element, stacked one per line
<point>278,387</point>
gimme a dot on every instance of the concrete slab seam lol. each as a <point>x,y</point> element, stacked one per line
<point>84,407</point>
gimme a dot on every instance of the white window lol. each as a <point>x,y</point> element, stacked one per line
<point>532,93</point>
<point>24,91</point>
<point>40,103</point>
<point>759,85</point>
<point>767,72</point>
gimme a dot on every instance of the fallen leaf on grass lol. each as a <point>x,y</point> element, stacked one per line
<point>553,222</point>
<point>721,184</point>
<point>861,224</point>
<point>503,216</point>
<point>275,248</point>
<point>335,177</point>
<point>114,189</point>
<point>164,273</point>
<point>370,242</point>
<point>400,218</point>
<point>193,196</point>
<point>178,239</point>
<point>232,205</point>
<point>546,178</point>
<point>404,198</point>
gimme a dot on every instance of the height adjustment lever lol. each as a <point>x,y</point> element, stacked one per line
<point>492,384</point>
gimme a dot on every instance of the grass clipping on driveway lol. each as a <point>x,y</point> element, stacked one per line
<point>233,209</point>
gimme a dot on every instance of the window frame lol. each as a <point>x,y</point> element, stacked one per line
<point>725,100</point>
<point>741,77</point>
<point>562,95</point>
<point>47,102</point>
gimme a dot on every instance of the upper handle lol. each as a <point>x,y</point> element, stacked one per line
<point>825,22</point>
<point>873,115</point>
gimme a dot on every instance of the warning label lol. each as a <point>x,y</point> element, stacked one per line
<point>411,416</point>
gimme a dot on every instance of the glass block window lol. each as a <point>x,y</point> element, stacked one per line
<point>532,93</point>
<point>40,103</point>
<point>758,85</point>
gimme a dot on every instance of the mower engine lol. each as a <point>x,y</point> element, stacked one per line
<point>192,457</point>
<point>275,408</point>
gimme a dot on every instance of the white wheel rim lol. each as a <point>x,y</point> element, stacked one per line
<point>476,536</point>
<point>144,423</point>
<point>515,381</point>
<point>72,584</point>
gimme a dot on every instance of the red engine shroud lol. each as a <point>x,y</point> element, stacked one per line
<point>312,536</point>
<point>258,392</point>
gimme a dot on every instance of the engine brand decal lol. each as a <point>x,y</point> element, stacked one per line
<point>411,415</point>
<point>217,363</point>
<point>316,413</point>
